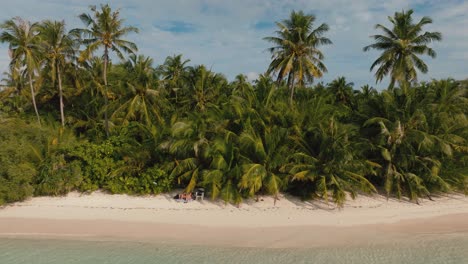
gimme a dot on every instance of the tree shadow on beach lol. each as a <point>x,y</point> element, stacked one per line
<point>313,204</point>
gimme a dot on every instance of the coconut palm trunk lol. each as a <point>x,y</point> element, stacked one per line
<point>59,49</point>
<point>106,101</point>
<point>33,96</point>
<point>291,86</point>
<point>62,114</point>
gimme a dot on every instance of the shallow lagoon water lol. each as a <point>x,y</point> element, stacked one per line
<point>445,249</point>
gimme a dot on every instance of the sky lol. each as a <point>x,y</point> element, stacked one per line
<point>227,35</point>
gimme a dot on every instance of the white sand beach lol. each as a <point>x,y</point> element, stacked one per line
<point>289,223</point>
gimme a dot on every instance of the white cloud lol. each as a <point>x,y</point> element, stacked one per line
<point>252,76</point>
<point>225,38</point>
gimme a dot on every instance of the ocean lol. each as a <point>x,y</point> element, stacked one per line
<point>444,249</point>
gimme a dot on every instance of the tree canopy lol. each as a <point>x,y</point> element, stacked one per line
<point>138,127</point>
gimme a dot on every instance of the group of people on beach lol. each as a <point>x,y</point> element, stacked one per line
<point>185,197</point>
<point>188,197</point>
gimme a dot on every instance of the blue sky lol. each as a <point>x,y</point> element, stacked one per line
<point>227,36</point>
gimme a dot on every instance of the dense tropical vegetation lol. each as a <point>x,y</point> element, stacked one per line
<point>73,121</point>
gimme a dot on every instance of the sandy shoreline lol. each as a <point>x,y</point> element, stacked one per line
<point>289,223</point>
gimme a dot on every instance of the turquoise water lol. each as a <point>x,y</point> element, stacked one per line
<point>446,250</point>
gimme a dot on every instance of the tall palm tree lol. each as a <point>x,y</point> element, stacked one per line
<point>401,46</point>
<point>105,30</point>
<point>23,40</point>
<point>59,49</point>
<point>296,54</point>
<point>172,72</point>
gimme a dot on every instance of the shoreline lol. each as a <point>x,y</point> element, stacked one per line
<point>290,224</point>
<point>299,237</point>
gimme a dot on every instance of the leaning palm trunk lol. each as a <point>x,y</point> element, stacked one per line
<point>34,99</point>
<point>106,119</point>
<point>62,115</point>
<point>290,79</point>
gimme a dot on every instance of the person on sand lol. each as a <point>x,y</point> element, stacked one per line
<point>186,197</point>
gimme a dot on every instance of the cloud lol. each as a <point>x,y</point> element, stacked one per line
<point>252,76</point>
<point>175,26</point>
<point>227,36</point>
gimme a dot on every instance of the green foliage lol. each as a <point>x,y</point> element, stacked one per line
<point>97,162</point>
<point>138,128</point>
<point>151,181</point>
<point>57,177</point>
<point>329,162</point>
<point>30,162</point>
<point>15,182</point>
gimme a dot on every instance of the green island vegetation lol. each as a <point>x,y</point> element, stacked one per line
<point>72,119</point>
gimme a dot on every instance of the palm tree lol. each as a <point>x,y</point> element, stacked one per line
<point>173,68</point>
<point>141,101</point>
<point>203,87</point>
<point>401,46</point>
<point>188,144</point>
<point>172,72</point>
<point>367,91</point>
<point>413,135</point>
<point>105,29</point>
<point>342,90</point>
<point>59,48</point>
<point>264,89</point>
<point>140,69</point>
<point>13,96</point>
<point>224,170</point>
<point>141,105</point>
<point>242,89</point>
<point>328,161</point>
<point>23,40</point>
<point>296,54</point>
<point>264,152</point>
<point>400,157</point>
